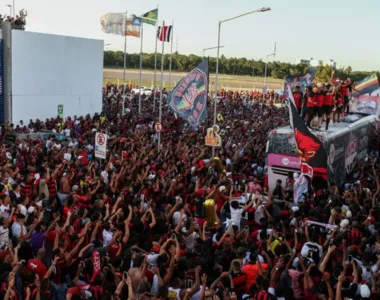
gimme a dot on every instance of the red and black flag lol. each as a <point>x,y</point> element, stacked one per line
<point>164,33</point>
<point>310,149</point>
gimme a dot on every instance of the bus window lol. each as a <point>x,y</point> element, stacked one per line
<point>282,143</point>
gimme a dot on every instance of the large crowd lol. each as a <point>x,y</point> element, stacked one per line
<point>178,224</point>
<point>17,22</point>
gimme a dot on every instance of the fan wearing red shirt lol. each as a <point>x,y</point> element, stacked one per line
<point>328,103</point>
<point>297,96</point>
<point>309,104</point>
<point>36,265</point>
<point>318,103</point>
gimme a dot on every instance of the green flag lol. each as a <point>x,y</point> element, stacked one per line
<point>151,16</point>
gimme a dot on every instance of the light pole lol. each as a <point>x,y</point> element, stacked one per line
<point>205,49</point>
<point>266,64</point>
<point>264,9</point>
<point>14,8</point>
<point>10,9</point>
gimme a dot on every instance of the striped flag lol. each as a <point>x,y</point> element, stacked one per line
<point>164,33</point>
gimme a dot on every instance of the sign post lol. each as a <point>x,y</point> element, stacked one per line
<point>60,110</point>
<point>158,127</point>
<point>101,145</point>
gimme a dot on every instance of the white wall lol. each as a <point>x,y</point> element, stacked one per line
<point>48,70</point>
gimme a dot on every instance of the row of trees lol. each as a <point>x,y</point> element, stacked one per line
<point>230,66</point>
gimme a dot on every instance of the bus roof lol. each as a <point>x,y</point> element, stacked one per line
<point>347,123</point>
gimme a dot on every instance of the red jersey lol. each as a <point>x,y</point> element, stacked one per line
<point>328,100</point>
<point>319,99</point>
<point>298,99</point>
<point>310,101</point>
<point>344,90</point>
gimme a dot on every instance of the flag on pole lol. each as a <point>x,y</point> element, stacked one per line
<point>189,98</point>
<point>120,24</point>
<point>113,23</point>
<point>164,33</point>
<point>133,26</point>
<point>302,80</point>
<point>310,149</point>
<point>151,17</point>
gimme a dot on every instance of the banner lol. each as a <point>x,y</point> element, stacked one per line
<point>310,149</point>
<point>151,16</point>
<point>302,80</point>
<point>120,24</point>
<point>213,138</point>
<point>366,98</point>
<point>189,98</point>
<point>113,23</point>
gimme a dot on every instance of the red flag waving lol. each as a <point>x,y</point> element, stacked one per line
<point>164,33</point>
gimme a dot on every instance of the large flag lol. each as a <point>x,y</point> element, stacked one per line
<point>113,23</point>
<point>120,24</point>
<point>302,80</point>
<point>164,33</point>
<point>310,149</point>
<point>189,98</point>
<point>366,97</point>
<point>133,26</point>
<point>151,16</point>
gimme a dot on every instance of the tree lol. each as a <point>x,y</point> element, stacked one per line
<point>229,66</point>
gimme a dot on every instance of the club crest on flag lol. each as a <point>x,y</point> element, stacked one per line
<point>189,98</point>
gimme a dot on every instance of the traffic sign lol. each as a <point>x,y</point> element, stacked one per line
<point>158,127</point>
<point>101,145</point>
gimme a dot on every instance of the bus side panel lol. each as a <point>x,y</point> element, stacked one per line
<point>336,161</point>
<point>346,150</point>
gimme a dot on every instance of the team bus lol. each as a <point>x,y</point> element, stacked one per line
<point>346,143</point>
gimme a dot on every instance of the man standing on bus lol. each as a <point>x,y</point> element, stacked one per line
<point>318,103</point>
<point>308,106</point>
<point>328,103</point>
<point>297,96</point>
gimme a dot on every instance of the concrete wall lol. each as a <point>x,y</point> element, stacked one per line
<point>50,70</point>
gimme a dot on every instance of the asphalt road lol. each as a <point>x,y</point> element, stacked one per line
<point>235,82</point>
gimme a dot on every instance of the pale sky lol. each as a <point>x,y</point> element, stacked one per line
<point>344,30</point>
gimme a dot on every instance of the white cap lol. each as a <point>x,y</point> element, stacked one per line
<point>295,176</point>
<point>365,292</point>
<point>30,209</point>
<point>222,188</point>
<point>344,223</point>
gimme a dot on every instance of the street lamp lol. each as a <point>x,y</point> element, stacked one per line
<point>205,49</point>
<point>266,64</point>
<point>10,9</point>
<point>264,9</point>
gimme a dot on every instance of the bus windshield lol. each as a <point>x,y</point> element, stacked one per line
<point>282,143</point>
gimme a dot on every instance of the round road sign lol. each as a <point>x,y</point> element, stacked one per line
<point>158,127</point>
<point>101,139</point>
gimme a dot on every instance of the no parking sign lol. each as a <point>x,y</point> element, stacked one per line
<point>100,145</point>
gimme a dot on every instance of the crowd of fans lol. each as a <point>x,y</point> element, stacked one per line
<point>177,224</point>
<point>17,22</point>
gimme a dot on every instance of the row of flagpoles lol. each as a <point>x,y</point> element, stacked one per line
<point>124,25</point>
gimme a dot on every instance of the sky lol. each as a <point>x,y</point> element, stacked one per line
<point>346,31</point>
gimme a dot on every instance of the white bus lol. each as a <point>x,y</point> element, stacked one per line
<point>346,143</point>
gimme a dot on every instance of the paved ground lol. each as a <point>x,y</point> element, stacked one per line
<point>226,81</point>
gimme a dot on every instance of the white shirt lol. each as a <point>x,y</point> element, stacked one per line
<point>4,236</point>
<point>16,229</point>
<point>176,216</point>
<point>23,210</point>
<point>107,237</point>
<point>73,144</point>
<point>236,215</point>
<point>5,211</point>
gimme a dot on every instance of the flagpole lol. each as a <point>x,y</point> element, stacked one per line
<point>171,55</point>
<point>125,62</point>
<point>141,51</point>
<point>155,69</point>
<point>161,87</point>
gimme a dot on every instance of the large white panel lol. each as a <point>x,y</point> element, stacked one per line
<point>48,70</point>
